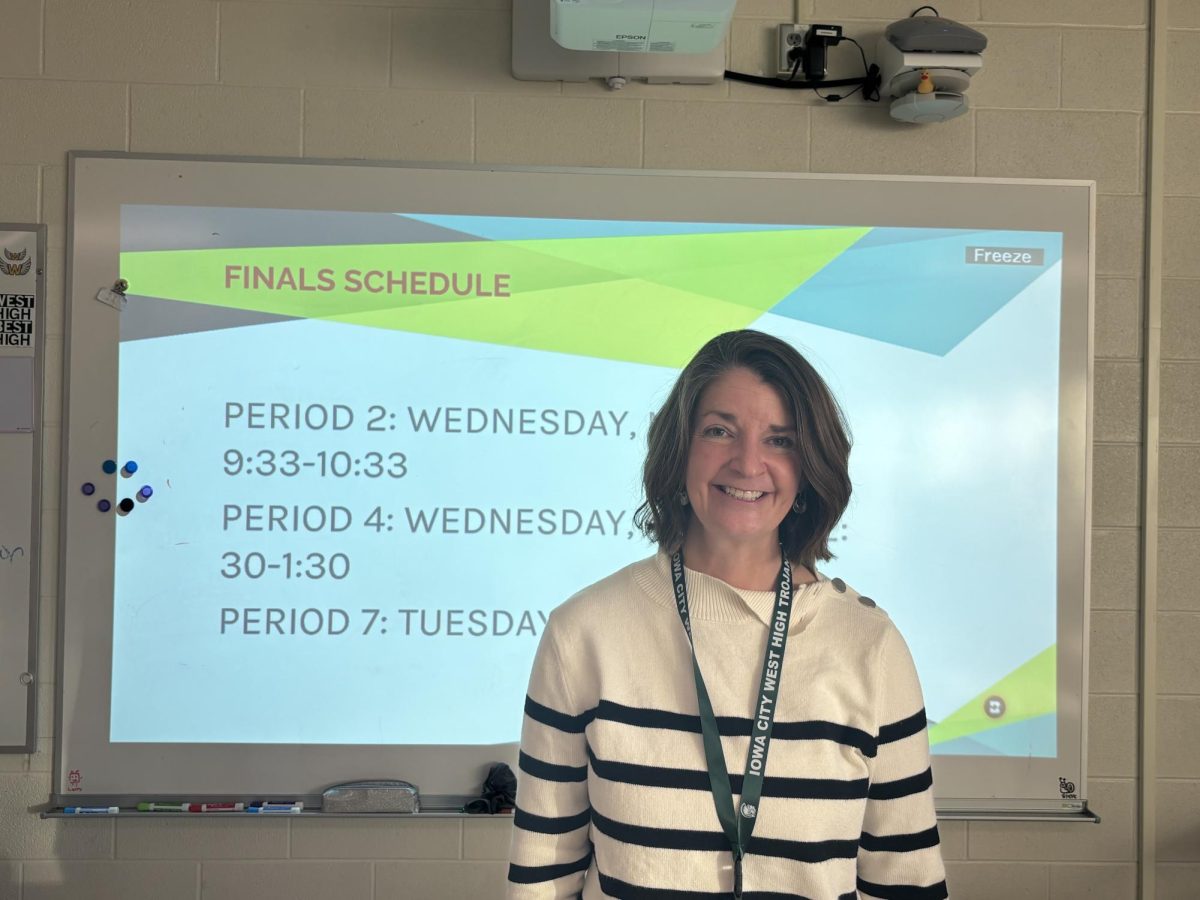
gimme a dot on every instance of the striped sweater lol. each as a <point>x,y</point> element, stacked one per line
<point>614,799</point>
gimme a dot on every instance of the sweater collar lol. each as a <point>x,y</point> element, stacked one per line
<point>711,599</point>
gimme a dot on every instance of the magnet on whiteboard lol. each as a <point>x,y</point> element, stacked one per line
<point>115,295</point>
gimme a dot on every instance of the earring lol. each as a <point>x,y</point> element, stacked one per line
<point>683,498</point>
<point>799,505</point>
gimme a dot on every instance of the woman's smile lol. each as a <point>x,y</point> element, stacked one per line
<point>747,496</point>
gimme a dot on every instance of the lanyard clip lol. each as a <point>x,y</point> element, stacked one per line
<point>737,876</point>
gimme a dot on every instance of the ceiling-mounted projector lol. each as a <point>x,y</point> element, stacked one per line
<point>926,64</point>
<point>636,26</point>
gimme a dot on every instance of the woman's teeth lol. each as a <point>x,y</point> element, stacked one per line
<point>742,495</point>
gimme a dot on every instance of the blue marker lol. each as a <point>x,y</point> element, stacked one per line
<point>267,807</point>
<point>92,810</point>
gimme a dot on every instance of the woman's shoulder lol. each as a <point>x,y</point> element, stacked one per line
<point>621,593</point>
<point>839,591</point>
<point>854,611</point>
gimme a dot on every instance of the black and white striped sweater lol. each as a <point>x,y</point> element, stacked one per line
<point>614,797</point>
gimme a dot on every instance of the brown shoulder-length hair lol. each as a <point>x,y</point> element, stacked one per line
<point>823,443</point>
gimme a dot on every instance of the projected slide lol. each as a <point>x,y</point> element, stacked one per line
<point>381,448</point>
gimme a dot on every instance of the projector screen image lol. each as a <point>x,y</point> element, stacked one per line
<point>382,448</point>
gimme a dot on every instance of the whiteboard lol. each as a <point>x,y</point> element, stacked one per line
<point>22,338</point>
<point>282,697</point>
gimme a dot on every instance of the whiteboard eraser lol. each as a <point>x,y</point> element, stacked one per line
<point>371,797</point>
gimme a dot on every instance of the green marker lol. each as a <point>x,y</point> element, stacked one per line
<point>162,807</point>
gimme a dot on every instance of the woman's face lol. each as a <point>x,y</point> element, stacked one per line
<point>743,468</point>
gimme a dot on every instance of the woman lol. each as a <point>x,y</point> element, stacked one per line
<point>657,693</point>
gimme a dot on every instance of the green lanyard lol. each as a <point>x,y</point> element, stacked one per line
<point>738,826</point>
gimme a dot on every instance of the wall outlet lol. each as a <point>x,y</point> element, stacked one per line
<point>791,37</point>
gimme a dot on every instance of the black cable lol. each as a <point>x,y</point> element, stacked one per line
<point>798,59</point>
<point>919,8</point>
<point>871,78</point>
<point>785,83</point>
<point>869,83</point>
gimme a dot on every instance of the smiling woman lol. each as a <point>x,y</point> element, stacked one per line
<point>754,408</point>
<point>641,689</point>
<point>743,478</point>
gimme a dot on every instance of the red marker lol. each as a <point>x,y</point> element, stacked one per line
<point>213,807</point>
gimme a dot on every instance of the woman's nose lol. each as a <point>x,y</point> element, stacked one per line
<point>747,457</point>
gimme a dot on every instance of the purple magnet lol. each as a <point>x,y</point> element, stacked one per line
<point>109,466</point>
<point>145,492</point>
<point>103,506</point>
<point>126,505</point>
<point>88,488</point>
<point>129,468</point>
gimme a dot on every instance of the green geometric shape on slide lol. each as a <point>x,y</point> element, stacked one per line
<point>1028,691</point>
<point>663,326</point>
<point>649,299</point>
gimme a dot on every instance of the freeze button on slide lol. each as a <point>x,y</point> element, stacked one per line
<point>1005,256</point>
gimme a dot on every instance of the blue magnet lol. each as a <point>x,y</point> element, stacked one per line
<point>104,506</point>
<point>88,489</point>
<point>109,466</point>
<point>126,505</point>
<point>146,492</point>
<point>129,468</point>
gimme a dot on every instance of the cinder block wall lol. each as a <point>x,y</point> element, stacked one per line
<point>1178,734</point>
<point>1063,94</point>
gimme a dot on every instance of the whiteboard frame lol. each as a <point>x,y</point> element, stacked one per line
<point>100,182</point>
<point>19,683</point>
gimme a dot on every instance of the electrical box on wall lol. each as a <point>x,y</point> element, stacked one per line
<point>537,56</point>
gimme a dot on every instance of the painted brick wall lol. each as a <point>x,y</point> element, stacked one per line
<point>1062,95</point>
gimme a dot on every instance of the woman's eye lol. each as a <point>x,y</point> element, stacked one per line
<point>783,443</point>
<point>714,431</point>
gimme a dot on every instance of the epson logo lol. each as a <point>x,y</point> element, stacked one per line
<point>631,37</point>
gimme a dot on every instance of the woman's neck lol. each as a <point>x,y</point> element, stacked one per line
<point>751,567</point>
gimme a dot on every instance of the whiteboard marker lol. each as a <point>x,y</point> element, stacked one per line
<point>92,810</point>
<point>265,807</point>
<point>213,807</point>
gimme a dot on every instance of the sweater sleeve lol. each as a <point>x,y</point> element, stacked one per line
<point>551,848</point>
<point>899,853</point>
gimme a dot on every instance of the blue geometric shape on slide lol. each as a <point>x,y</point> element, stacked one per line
<point>913,288</point>
<point>882,237</point>
<point>503,228</point>
<point>1032,737</point>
